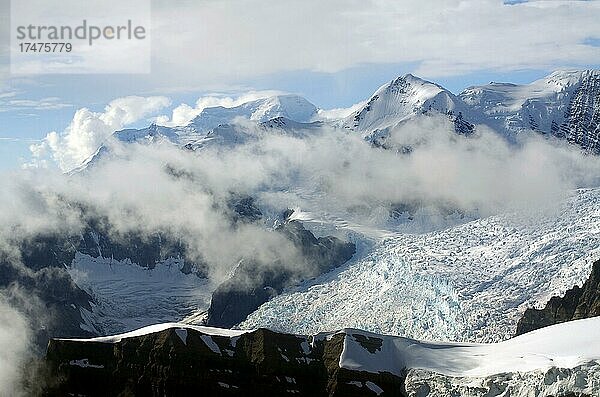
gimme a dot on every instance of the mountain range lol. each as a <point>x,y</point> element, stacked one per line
<point>466,279</point>
<point>564,105</point>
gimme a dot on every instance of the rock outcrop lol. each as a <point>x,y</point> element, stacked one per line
<point>185,361</point>
<point>577,303</point>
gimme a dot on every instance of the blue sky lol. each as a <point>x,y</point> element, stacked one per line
<point>335,54</point>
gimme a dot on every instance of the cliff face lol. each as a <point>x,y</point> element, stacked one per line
<point>577,303</point>
<point>178,362</point>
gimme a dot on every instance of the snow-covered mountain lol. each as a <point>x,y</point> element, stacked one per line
<point>565,104</point>
<point>292,107</point>
<point>218,125</point>
<point>405,98</point>
<point>232,134</point>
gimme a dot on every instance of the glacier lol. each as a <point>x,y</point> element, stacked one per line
<point>127,296</point>
<point>469,282</point>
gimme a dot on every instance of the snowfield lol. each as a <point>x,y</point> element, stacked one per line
<point>470,282</point>
<point>127,296</point>
<point>546,362</point>
<point>565,345</point>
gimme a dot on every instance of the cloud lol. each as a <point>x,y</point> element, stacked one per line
<point>243,39</point>
<point>338,113</point>
<point>9,101</point>
<point>184,113</point>
<point>33,104</point>
<point>14,348</point>
<point>17,139</point>
<point>161,187</point>
<point>89,129</point>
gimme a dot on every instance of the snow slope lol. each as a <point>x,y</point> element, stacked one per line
<point>565,345</point>
<point>469,282</point>
<point>161,327</point>
<point>128,296</point>
<point>292,107</point>
<point>403,98</point>
<point>565,104</point>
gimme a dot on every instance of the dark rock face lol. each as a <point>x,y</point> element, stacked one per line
<point>578,303</point>
<point>244,209</point>
<point>461,126</point>
<point>253,284</point>
<point>179,362</point>
<point>582,117</point>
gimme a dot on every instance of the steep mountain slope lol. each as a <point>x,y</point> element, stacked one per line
<point>577,303</point>
<point>469,282</point>
<point>176,359</point>
<point>404,98</point>
<point>565,104</point>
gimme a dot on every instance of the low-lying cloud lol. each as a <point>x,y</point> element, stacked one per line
<point>14,348</point>
<point>150,187</point>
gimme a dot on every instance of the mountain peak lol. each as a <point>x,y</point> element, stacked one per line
<point>411,79</point>
<point>415,79</point>
<point>290,106</point>
<point>401,99</point>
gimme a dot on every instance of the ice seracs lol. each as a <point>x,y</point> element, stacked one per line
<point>470,282</point>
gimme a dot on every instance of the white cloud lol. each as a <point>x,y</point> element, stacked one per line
<point>14,348</point>
<point>339,113</point>
<point>184,113</point>
<point>236,39</point>
<point>88,129</point>
<point>49,103</point>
